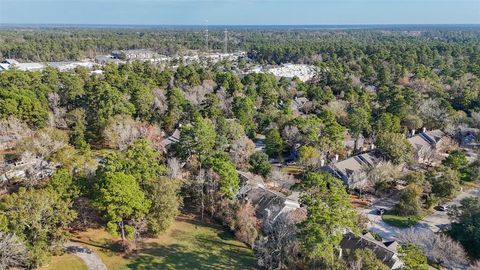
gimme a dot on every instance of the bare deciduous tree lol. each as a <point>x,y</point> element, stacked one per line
<point>13,253</point>
<point>280,249</point>
<point>121,131</point>
<point>44,142</point>
<point>246,224</point>
<point>476,119</point>
<point>438,248</point>
<point>58,113</point>
<point>339,109</point>
<point>433,113</point>
<point>282,179</point>
<point>369,176</point>
<point>12,131</point>
<point>291,134</point>
<point>475,265</point>
<point>404,80</point>
<point>241,150</point>
<point>421,84</point>
<point>224,102</point>
<point>448,144</point>
<point>174,168</point>
<point>197,94</point>
<point>160,102</point>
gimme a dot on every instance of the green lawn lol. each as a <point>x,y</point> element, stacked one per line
<point>188,244</point>
<point>66,261</point>
<point>401,221</point>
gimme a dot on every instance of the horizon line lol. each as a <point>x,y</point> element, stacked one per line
<point>110,25</point>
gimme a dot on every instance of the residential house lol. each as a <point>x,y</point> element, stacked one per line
<point>426,145</point>
<point>27,167</point>
<point>468,137</point>
<point>386,252</point>
<point>269,205</point>
<point>350,169</point>
<point>174,138</point>
<point>298,104</point>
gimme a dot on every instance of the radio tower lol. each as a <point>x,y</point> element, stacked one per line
<point>206,40</point>
<point>225,41</point>
<point>207,48</point>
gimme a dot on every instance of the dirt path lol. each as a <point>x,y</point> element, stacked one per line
<point>91,259</point>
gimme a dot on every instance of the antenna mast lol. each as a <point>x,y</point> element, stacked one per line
<point>225,41</point>
<point>206,37</point>
<point>206,40</point>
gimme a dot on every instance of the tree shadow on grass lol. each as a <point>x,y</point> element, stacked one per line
<point>234,256</point>
<point>208,255</point>
<point>226,235</point>
<point>173,257</point>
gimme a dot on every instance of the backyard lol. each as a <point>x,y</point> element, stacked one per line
<point>188,244</point>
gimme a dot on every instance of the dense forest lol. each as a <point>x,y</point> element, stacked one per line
<point>105,138</point>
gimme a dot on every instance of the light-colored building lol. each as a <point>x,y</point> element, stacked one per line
<point>426,145</point>
<point>65,66</point>
<point>138,54</point>
<point>303,72</point>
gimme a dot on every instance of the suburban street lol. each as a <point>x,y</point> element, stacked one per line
<point>434,222</point>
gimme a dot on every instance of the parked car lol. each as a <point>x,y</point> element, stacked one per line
<point>442,208</point>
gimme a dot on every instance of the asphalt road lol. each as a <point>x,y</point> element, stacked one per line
<point>434,222</point>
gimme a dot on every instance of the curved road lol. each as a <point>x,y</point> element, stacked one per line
<point>433,222</point>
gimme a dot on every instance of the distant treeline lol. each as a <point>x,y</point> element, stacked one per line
<point>275,45</point>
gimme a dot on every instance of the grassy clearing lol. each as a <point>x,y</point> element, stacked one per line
<point>66,261</point>
<point>401,221</point>
<point>188,244</point>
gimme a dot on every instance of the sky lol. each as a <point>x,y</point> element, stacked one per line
<point>239,12</point>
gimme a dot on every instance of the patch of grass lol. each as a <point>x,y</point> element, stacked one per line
<point>377,237</point>
<point>188,244</point>
<point>401,221</point>
<point>66,261</point>
<point>293,169</point>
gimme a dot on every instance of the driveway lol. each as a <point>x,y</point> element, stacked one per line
<point>433,222</point>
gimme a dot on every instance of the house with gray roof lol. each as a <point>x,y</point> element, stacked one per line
<point>386,252</point>
<point>426,146</point>
<point>349,169</point>
<point>468,137</point>
<point>174,138</point>
<point>269,205</point>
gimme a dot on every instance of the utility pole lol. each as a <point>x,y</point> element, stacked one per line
<point>225,41</point>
